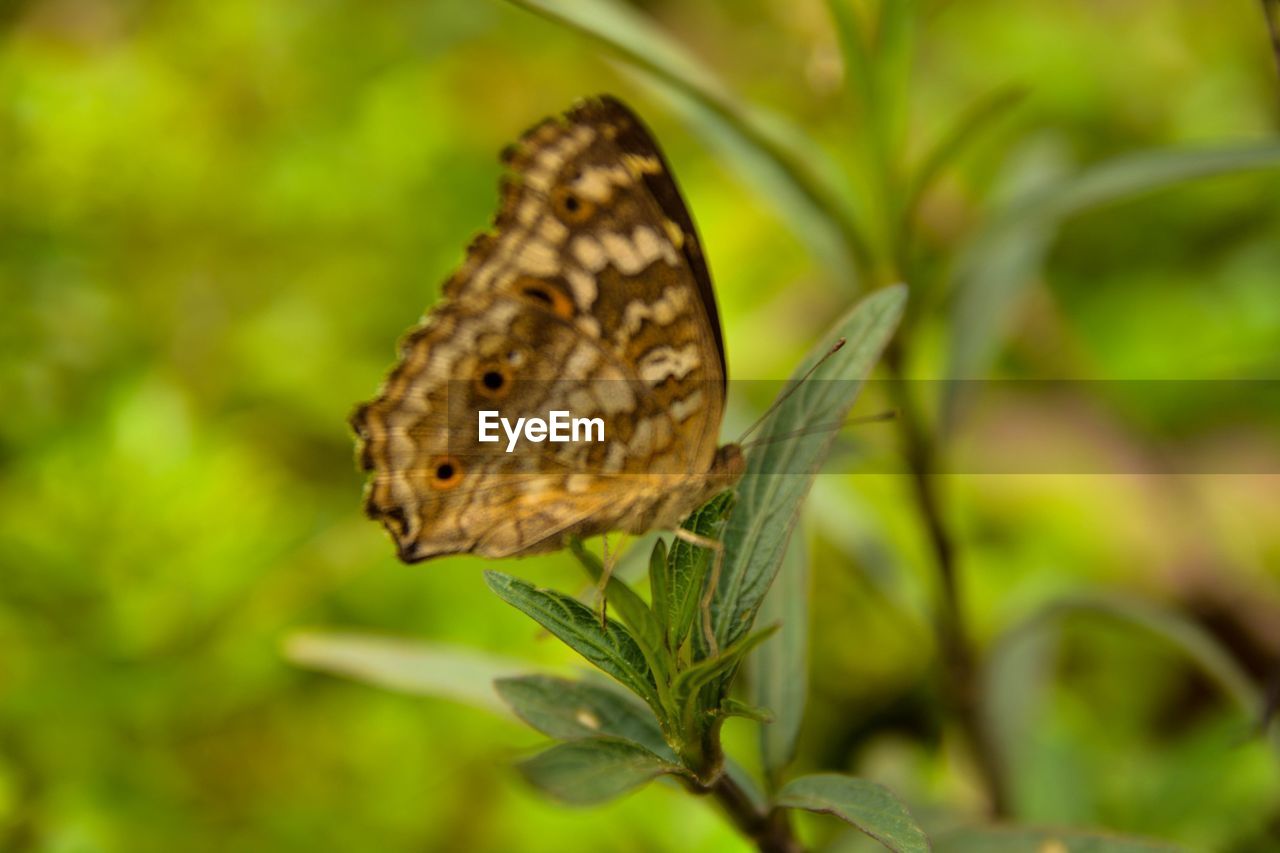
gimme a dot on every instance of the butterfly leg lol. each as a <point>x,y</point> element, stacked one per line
<point>704,604</point>
<point>607,562</point>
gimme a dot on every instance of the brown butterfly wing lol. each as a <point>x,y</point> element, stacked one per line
<point>634,140</point>
<point>590,295</point>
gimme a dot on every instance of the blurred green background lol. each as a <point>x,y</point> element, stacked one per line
<point>215,221</point>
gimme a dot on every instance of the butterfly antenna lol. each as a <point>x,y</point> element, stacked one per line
<point>879,417</point>
<point>791,389</point>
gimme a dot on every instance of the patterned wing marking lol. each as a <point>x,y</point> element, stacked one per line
<point>427,420</point>
<point>593,283</point>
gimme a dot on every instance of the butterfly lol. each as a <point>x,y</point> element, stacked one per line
<point>590,294</point>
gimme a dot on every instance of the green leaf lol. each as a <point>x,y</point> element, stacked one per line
<point>979,840</point>
<point>660,588</point>
<point>612,648</point>
<point>979,116</point>
<point>635,37</point>
<point>866,104</point>
<point>570,710</point>
<point>425,669</point>
<point>778,674</point>
<point>997,263</point>
<point>879,71</point>
<point>738,708</point>
<point>896,43</point>
<point>630,606</point>
<point>1147,171</point>
<point>1199,646</point>
<point>583,772</point>
<point>1013,689</point>
<point>1004,257</point>
<point>780,472</point>
<point>895,47</point>
<point>688,684</point>
<point>866,805</point>
<point>855,51</point>
<point>788,152</point>
<point>687,566</point>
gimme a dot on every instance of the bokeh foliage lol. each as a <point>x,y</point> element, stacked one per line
<point>216,218</point>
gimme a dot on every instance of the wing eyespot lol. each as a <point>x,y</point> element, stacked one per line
<point>548,296</point>
<point>492,381</point>
<point>571,207</point>
<point>446,472</point>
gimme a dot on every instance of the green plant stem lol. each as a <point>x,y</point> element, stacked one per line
<point>769,830</point>
<point>960,671</point>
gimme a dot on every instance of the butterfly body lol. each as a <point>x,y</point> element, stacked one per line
<point>590,295</point>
